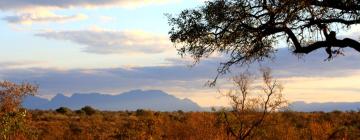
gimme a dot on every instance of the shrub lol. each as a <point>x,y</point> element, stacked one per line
<point>80,112</point>
<point>143,112</point>
<point>12,116</point>
<point>89,110</point>
<point>63,110</point>
<point>249,111</point>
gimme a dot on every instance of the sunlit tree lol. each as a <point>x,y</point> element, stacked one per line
<point>248,109</point>
<point>12,116</point>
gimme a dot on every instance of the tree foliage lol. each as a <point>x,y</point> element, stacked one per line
<point>248,30</point>
<point>11,95</point>
<point>63,110</point>
<point>89,110</point>
<point>12,116</point>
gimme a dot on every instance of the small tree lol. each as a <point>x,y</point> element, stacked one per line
<point>249,111</point>
<point>12,116</point>
<point>63,110</point>
<point>89,110</point>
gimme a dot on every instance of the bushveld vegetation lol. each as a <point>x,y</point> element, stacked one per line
<point>253,115</point>
<point>88,123</point>
<point>12,117</point>
<point>144,124</point>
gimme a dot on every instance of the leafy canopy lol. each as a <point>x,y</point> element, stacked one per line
<point>248,30</point>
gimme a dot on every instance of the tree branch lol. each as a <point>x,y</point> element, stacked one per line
<point>335,20</point>
<point>293,38</point>
<point>347,42</point>
<point>337,4</point>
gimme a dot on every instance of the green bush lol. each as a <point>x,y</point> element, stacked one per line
<point>63,110</point>
<point>80,112</point>
<point>89,110</point>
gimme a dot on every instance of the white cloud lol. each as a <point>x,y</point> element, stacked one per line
<point>31,11</point>
<point>65,4</point>
<point>21,64</point>
<point>305,80</point>
<point>112,42</point>
<point>106,18</point>
<point>30,18</point>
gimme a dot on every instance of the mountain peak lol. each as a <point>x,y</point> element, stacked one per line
<point>131,100</point>
<point>85,94</point>
<point>59,96</point>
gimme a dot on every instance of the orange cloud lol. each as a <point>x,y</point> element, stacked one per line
<point>114,42</point>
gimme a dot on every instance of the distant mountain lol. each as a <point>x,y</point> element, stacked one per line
<point>311,107</point>
<point>132,100</point>
<point>327,107</point>
<point>155,100</point>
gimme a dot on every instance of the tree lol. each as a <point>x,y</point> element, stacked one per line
<point>247,30</point>
<point>89,110</point>
<point>11,95</point>
<point>63,110</point>
<point>249,111</point>
<point>12,116</point>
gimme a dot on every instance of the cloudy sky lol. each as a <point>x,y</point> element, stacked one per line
<point>112,46</point>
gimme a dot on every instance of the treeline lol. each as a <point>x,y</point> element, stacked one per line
<point>144,124</point>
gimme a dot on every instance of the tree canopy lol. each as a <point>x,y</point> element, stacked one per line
<point>248,30</point>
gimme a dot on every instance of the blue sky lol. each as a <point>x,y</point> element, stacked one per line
<point>148,18</point>
<point>112,46</point>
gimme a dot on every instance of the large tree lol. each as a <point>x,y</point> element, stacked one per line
<point>248,30</point>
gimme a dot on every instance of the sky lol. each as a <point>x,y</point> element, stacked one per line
<point>113,46</point>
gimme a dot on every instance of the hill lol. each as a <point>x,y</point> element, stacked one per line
<point>132,100</point>
<point>327,106</point>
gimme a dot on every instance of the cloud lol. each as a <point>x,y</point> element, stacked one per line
<point>7,5</point>
<point>106,18</point>
<point>21,64</point>
<point>32,11</point>
<point>30,18</point>
<point>113,42</point>
<point>314,64</point>
<point>285,65</point>
<point>307,79</point>
<point>111,80</point>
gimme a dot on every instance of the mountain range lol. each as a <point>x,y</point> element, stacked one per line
<point>132,100</point>
<point>326,107</point>
<point>155,100</point>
